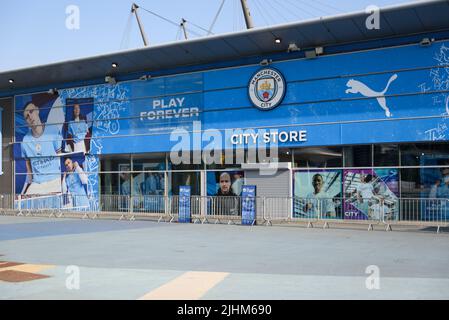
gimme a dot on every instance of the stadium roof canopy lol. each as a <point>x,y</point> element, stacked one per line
<point>399,20</point>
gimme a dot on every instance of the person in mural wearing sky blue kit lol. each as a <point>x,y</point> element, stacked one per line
<point>319,201</point>
<point>40,147</point>
<point>78,129</point>
<point>74,181</point>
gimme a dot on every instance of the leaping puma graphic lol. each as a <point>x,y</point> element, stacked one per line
<point>359,87</point>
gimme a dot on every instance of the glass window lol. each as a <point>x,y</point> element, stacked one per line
<point>268,155</point>
<point>431,184</point>
<point>358,156</point>
<point>177,179</point>
<point>153,183</point>
<point>110,180</point>
<point>425,154</point>
<point>109,183</point>
<point>386,155</point>
<point>228,159</point>
<point>318,157</point>
<point>149,162</point>
<point>425,183</point>
<point>115,162</point>
<point>187,164</point>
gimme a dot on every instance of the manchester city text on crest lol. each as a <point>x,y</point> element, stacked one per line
<point>267,89</point>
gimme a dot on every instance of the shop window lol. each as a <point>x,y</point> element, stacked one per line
<point>228,159</point>
<point>177,179</point>
<point>425,154</point>
<point>192,162</point>
<point>424,194</point>
<point>149,162</point>
<point>318,157</point>
<point>430,183</point>
<point>115,162</point>
<point>358,156</point>
<point>386,155</point>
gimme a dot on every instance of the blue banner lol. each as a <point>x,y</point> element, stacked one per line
<point>249,205</point>
<point>184,204</point>
<point>361,97</point>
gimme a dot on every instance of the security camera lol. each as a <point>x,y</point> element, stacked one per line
<point>145,77</point>
<point>265,62</point>
<point>110,80</point>
<point>292,47</point>
<point>426,42</point>
<point>53,92</point>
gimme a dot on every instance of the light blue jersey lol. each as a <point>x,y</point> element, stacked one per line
<point>41,152</point>
<point>78,130</point>
<point>76,189</point>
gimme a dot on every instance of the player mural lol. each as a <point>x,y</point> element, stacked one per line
<point>371,194</point>
<point>226,186</point>
<point>51,142</point>
<point>78,125</point>
<point>75,182</point>
<point>39,120</point>
<point>317,194</point>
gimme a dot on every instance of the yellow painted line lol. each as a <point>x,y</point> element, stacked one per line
<point>31,268</point>
<point>189,286</point>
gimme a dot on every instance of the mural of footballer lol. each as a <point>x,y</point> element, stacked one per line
<point>73,182</point>
<point>78,130</point>
<point>40,148</point>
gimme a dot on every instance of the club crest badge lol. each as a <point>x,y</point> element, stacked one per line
<point>38,148</point>
<point>267,89</point>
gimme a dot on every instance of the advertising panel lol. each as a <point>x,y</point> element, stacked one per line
<point>185,215</point>
<point>249,205</point>
<point>317,193</point>
<point>225,183</point>
<point>51,152</point>
<point>226,188</point>
<point>371,194</point>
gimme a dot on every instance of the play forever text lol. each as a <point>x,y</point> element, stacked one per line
<point>169,109</point>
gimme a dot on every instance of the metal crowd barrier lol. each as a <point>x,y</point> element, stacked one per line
<point>218,209</point>
<point>6,204</point>
<point>214,209</point>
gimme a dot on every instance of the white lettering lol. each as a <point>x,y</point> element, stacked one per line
<point>156,104</point>
<point>180,101</point>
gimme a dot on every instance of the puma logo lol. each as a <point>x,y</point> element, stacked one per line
<point>359,87</point>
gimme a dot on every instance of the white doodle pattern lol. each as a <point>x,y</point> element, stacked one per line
<point>439,82</point>
<point>109,102</point>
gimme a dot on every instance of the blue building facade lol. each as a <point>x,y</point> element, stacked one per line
<point>376,109</point>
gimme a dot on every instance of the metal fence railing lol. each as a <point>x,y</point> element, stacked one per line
<point>213,209</point>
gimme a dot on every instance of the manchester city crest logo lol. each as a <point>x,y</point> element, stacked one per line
<point>38,148</point>
<point>267,89</point>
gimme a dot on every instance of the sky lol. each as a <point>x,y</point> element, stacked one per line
<point>35,32</point>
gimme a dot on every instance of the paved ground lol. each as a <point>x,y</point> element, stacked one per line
<point>147,260</point>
